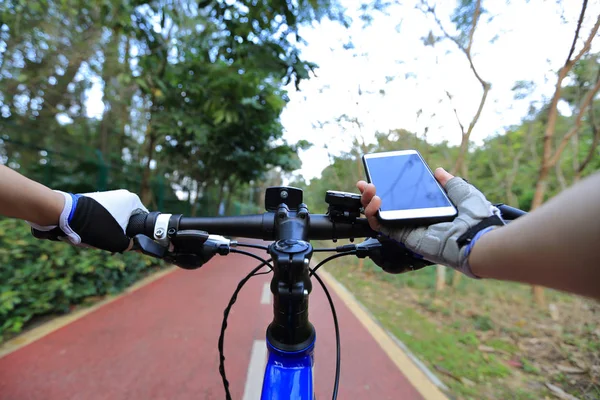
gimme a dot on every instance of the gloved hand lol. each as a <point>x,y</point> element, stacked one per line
<point>447,243</point>
<point>94,219</point>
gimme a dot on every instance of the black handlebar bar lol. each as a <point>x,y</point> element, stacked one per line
<point>262,226</point>
<point>257,226</point>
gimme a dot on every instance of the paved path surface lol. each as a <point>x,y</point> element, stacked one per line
<point>160,342</point>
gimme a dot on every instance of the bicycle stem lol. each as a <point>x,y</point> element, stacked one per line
<point>290,329</point>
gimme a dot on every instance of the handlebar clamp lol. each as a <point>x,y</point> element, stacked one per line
<point>276,195</point>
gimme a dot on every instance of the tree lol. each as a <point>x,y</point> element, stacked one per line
<point>465,18</point>
<point>142,55</point>
<point>551,153</point>
<point>247,37</point>
<point>584,76</point>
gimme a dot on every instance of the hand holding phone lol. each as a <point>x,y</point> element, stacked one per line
<point>408,190</point>
<point>447,243</point>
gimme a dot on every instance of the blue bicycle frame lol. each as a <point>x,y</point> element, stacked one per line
<point>289,375</point>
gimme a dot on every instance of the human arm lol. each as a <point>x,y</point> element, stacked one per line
<point>94,219</point>
<point>556,245</point>
<point>553,246</point>
<point>25,199</point>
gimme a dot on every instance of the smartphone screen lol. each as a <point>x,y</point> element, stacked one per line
<point>406,186</point>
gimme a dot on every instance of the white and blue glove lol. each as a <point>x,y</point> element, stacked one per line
<point>94,219</point>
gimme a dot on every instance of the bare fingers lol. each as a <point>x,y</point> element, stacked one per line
<point>442,176</point>
<point>371,212</point>
<point>367,190</point>
<point>370,202</point>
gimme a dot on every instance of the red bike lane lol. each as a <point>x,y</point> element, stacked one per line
<point>160,342</point>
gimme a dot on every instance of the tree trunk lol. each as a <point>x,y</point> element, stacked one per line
<point>220,197</point>
<point>539,296</point>
<point>589,156</point>
<point>361,264</point>
<point>456,278</point>
<point>460,167</point>
<point>440,278</point>
<point>146,189</point>
<point>542,182</point>
<point>109,70</point>
<point>194,207</point>
<point>127,97</point>
<point>595,141</point>
<point>230,190</point>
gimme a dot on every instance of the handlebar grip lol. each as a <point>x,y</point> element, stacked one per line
<point>136,224</point>
<point>142,224</point>
<point>509,212</point>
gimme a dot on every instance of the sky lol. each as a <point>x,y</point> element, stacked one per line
<point>533,41</point>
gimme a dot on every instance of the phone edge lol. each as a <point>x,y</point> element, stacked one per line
<point>415,220</point>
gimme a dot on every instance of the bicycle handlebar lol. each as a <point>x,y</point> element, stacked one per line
<point>510,213</point>
<point>262,226</point>
<point>257,226</point>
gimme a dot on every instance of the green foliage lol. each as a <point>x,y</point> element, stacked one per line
<point>39,277</point>
<point>192,92</point>
<point>528,367</point>
<point>482,323</point>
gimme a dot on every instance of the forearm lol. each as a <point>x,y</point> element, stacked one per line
<point>23,198</point>
<point>557,245</point>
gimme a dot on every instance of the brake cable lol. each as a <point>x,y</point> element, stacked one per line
<point>319,265</point>
<point>338,351</point>
<point>228,309</point>
<point>252,245</point>
<point>255,272</point>
<point>259,258</point>
<point>313,272</point>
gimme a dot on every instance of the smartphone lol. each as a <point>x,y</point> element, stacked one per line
<point>408,190</point>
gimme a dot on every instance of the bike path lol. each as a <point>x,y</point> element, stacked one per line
<point>160,342</point>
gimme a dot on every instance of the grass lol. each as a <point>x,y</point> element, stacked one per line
<point>484,339</point>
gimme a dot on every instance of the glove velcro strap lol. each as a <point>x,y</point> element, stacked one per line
<point>466,237</point>
<point>53,234</point>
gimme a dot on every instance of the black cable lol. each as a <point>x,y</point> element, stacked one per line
<point>337,331</point>
<point>226,315</point>
<point>320,250</point>
<point>263,273</point>
<point>259,258</point>
<point>348,253</point>
<point>254,246</point>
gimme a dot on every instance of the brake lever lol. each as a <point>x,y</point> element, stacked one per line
<point>148,246</point>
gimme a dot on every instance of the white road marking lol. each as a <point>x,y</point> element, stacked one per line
<point>265,298</point>
<point>256,370</point>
